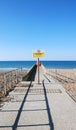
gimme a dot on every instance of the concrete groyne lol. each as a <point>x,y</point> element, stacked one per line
<point>30,76</point>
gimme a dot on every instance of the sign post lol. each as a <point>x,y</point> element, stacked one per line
<point>38,72</point>
<point>38,54</point>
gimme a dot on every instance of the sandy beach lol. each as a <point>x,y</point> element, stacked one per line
<point>67,77</point>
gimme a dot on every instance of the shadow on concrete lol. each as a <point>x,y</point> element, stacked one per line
<point>23,110</point>
<point>24,126</point>
<point>14,127</point>
<point>33,125</point>
<point>47,78</point>
<point>29,101</point>
<point>30,75</point>
<point>51,124</point>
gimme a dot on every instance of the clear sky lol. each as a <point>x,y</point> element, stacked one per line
<point>28,25</point>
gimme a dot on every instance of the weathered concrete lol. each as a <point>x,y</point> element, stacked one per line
<point>46,106</point>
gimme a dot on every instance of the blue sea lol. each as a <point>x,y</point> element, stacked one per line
<point>28,64</point>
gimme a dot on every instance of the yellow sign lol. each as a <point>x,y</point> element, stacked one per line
<point>38,54</point>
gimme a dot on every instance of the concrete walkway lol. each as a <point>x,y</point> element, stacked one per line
<point>39,107</point>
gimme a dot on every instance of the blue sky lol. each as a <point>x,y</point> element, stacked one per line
<point>28,25</point>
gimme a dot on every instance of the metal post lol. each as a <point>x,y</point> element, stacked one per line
<point>38,73</point>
